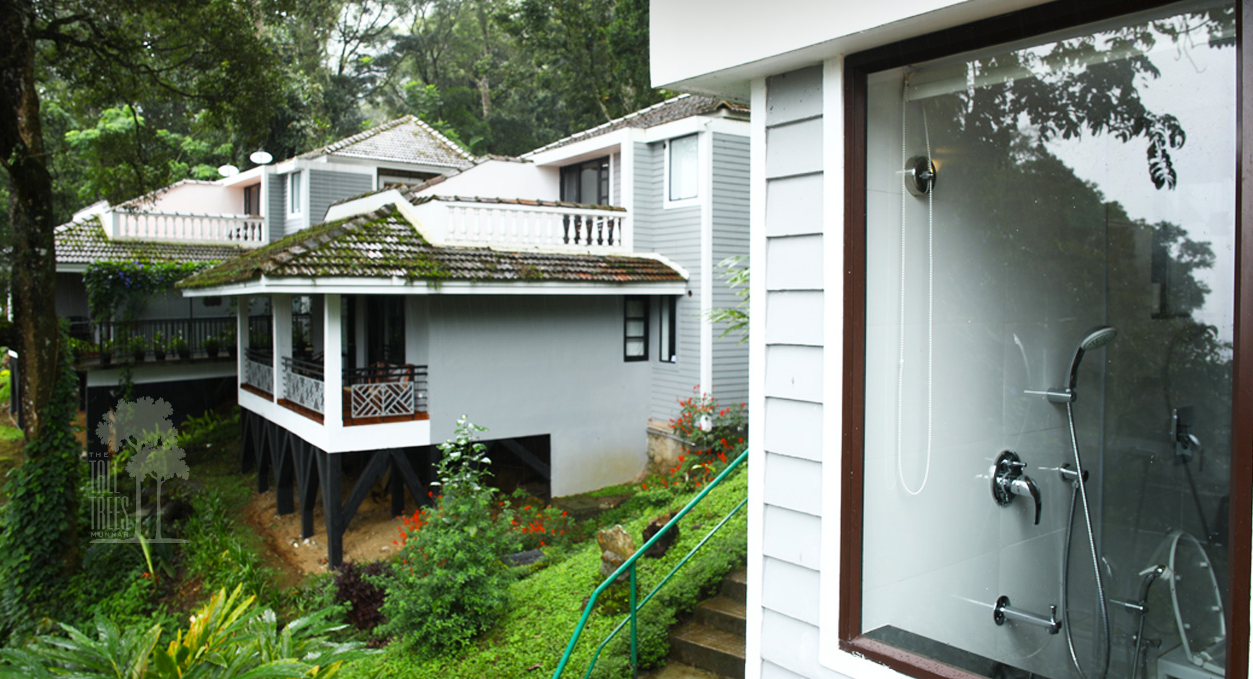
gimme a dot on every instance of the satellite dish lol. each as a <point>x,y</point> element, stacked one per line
<point>260,157</point>
<point>228,170</point>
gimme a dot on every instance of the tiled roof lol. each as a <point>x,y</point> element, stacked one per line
<point>406,139</point>
<point>85,242</point>
<point>682,106</point>
<point>384,245</point>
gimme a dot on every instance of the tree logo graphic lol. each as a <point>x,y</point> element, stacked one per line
<point>144,443</point>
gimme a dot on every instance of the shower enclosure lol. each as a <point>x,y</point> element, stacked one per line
<point>1069,196</point>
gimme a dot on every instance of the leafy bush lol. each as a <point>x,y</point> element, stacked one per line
<point>6,389</point>
<point>358,590</point>
<point>450,583</point>
<point>227,637</point>
<point>217,553</point>
<point>208,429</point>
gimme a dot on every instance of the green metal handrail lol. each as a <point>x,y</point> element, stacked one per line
<point>629,566</point>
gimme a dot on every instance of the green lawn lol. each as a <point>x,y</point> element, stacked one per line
<point>546,607</point>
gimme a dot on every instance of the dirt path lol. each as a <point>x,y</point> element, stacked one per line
<point>369,536</point>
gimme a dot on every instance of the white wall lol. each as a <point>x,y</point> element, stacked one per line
<point>524,366</point>
<point>199,198</point>
<point>500,179</point>
<point>775,39</point>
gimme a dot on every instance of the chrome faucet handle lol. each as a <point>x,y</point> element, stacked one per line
<point>1008,481</point>
<point>1023,485</point>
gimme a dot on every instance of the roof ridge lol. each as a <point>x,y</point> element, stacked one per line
<point>590,132</point>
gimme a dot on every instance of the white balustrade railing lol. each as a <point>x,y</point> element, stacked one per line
<point>184,227</point>
<point>534,225</point>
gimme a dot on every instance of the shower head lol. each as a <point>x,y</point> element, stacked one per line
<point>1094,339</point>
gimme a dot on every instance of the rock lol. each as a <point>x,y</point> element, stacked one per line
<point>659,547</point>
<point>523,558</point>
<point>616,546</point>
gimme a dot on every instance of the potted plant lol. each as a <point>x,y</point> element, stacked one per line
<point>138,348</point>
<point>212,345</point>
<point>228,340</point>
<point>180,347</point>
<point>106,351</point>
<point>158,346</point>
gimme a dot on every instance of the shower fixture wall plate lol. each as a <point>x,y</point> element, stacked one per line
<point>920,173</point>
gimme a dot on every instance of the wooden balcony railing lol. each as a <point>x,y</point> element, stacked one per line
<point>371,395</point>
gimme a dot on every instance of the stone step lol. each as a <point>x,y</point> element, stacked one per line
<point>712,650</point>
<point>722,613</point>
<point>735,585</point>
<point>677,670</point>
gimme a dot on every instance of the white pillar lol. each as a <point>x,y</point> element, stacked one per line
<point>280,310</point>
<point>332,365</point>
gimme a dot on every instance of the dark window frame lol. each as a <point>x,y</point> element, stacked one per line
<point>627,337</point>
<point>252,200</point>
<point>667,332</point>
<point>988,33</point>
<point>602,181</point>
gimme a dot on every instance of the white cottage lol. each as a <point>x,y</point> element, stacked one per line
<point>559,299</point>
<point>999,387</point>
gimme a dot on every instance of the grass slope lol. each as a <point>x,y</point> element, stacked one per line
<point>547,605</point>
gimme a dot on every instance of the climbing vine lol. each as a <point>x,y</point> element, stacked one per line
<point>38,540</point>
<point>120,290</point>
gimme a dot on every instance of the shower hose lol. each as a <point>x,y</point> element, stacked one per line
<point>1079,493</point>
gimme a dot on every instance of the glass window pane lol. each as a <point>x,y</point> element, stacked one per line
<point>683,168</point>
<point>635,348</point>
<point>1077,241</point>
<point>635,328</point>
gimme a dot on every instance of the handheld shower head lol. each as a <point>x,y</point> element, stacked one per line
<point>1095,339</point>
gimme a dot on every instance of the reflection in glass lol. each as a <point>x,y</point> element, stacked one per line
<point>1083,179</point>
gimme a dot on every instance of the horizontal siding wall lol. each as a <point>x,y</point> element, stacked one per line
<point>674,233</point>
<point>276,208</point>
<point>792,496</point>
<point>326,188</point>
<point>730,239</point>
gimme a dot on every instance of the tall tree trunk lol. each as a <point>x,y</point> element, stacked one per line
<point>30,210</point>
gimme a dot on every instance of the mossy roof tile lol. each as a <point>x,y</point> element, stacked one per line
<point>384,245</point>
<point>84,242</point>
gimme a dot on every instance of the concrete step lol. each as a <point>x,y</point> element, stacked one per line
<point>676,670</point>
<point>735,585</point>
<point>712,650</point>
<point>722,613</point>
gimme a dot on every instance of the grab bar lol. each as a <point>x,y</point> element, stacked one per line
<point>1002,612</point>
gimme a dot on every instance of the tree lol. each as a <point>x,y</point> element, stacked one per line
<point>210,57</point>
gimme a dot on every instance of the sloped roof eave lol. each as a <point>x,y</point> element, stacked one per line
<point>266,285</point>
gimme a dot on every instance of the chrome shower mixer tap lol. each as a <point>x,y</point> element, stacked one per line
<point>1009,481</point>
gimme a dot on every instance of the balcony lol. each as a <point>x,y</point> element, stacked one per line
<point>375,394</point>
<point>103,345</point>
<point>523,223</point>
<point>186,227</point>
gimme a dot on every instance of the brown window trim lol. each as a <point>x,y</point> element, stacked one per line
<point>987,33</point>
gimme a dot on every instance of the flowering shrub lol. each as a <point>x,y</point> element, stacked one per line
<point>450,583</point>
<point>537,526</point>
<point>715,435</point>
<point>124,288</point>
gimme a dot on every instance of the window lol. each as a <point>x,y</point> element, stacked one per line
<point>635,329</point>
<point>252,200</point>
<point>964,353</point>
<point>682,176</point>
<point>294,192</point>
<point>667,318</point>
<point>586,183</point>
